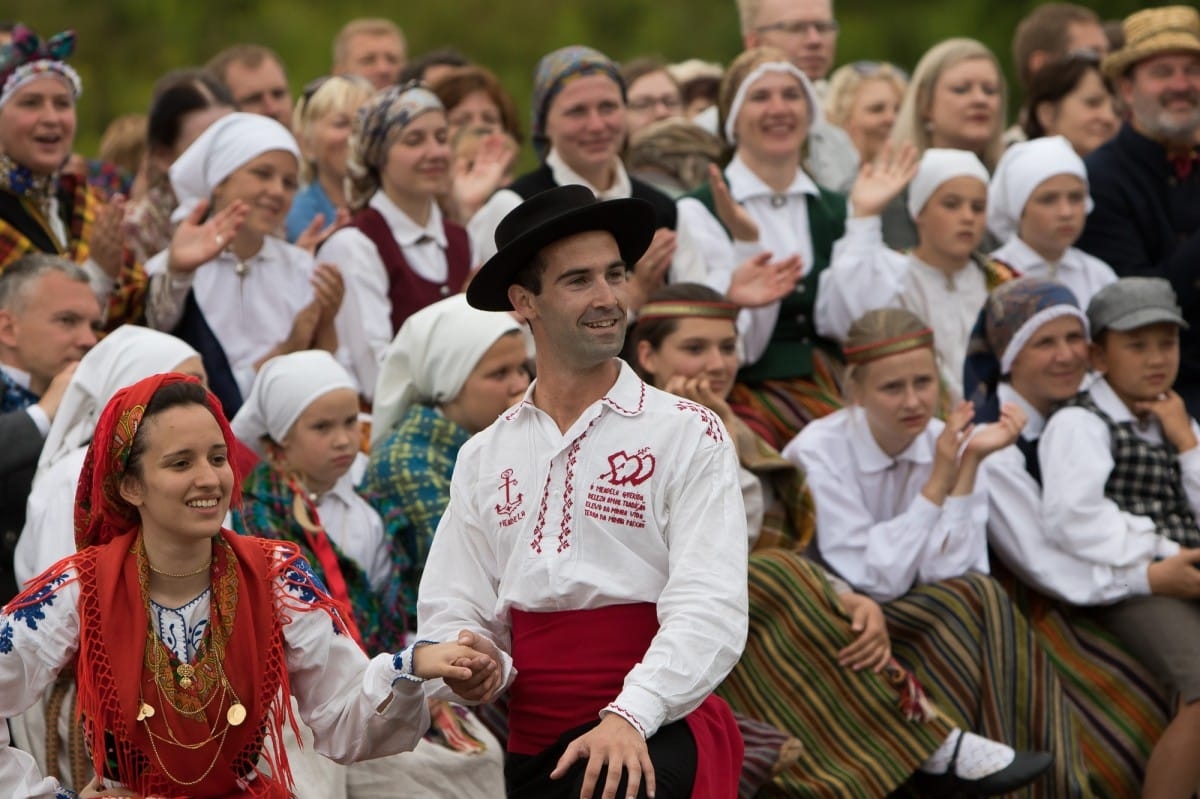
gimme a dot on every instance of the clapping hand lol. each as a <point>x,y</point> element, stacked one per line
<point>196,242</point>
<point>733,215</point>
<point>314,235</point>
<point>759,281</point>
<point>998,435</point>
<point>106,245</point>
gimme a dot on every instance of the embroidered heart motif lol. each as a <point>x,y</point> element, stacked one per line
<point>631,469</point>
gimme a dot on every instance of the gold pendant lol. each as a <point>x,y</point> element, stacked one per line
<point>145,711</point>
<point>236,714</point>
<point>186,672</point>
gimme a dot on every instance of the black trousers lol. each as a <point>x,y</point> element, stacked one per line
<point>672,751</point>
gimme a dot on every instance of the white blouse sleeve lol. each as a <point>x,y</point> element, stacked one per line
<point>698,642</point>
<point>1015,529</point>
<point>1189,467</point>
<point>364,323</point>
<point>702,233</point>
<point>883,559</point>
<point>357,708</point>
<point>36,642</point>
<point>1076,460</point>
<point>863,274</point>
<point>19,775</point>
<point>166,295</point>
<point>482,226</point>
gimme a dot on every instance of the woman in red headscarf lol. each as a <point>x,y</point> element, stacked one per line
<point>190,638</point>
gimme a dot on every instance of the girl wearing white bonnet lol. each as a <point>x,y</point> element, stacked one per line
<point>1037,203</point>
<point>943,280</point>
<point>227,285</point>
<point>400,252</point>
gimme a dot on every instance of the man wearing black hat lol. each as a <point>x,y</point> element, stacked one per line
<point>595,541</point>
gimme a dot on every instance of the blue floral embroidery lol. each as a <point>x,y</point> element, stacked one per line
<point>32,613</point>
<point>303,581</point>
<point>6,635</point>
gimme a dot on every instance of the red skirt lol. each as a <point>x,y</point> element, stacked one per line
<point>572,664</point>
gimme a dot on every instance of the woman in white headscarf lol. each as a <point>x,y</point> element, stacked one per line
<point>227,285</point>
<point>450,371</point>
<point>125,356</point>
<point>1038,201</point>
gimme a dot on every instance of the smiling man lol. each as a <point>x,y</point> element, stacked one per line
<point>1145,182</point>
<point>595,540</point>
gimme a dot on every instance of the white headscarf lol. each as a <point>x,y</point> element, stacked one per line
<point>938,166</point>
<point>283,388</point>
<point>222,148</point>
<point>815,114</point>
<point>1023,168</point>
<point>125,356</point>
<point>431,357</point>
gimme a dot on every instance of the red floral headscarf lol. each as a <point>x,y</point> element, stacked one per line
<point>101,514</point>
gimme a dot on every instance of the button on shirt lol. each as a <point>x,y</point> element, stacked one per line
<point>1076,459</point>
<point>783,230</point>
<point>874,528</point>
<point>639,501</point>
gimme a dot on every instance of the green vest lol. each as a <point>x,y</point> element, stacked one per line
<point>790,351</point>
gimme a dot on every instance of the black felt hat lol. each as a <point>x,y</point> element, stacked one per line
<point>551,216</point>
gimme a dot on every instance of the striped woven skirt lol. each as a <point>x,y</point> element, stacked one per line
<point>1121,708</point>
<point>857,741</point>
<point>778,409</point>
<point>980,661</point>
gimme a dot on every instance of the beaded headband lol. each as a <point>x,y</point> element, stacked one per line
<point>681,309</point>
<point>920,339</point>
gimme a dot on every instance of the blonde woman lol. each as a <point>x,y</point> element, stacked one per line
<point>863,100</point>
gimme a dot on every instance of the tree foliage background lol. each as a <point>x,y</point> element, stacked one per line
<point>125,45</point>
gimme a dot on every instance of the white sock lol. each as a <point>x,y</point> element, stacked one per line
<point>977,757</point>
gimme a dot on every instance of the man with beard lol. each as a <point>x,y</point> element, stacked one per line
<point>1146,181</point>
<point>595,541</point>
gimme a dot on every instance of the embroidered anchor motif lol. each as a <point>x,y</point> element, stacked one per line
<point>510,505</point>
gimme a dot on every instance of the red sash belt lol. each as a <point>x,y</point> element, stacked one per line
<point>572,664</point>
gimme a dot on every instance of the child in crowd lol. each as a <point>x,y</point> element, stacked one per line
<point>1121,476</point>
<point>1037,203</point>
<point>901,516</point>
<point>943,280</point>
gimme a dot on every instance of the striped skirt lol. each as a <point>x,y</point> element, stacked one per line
<point>980,661</point>
<point>1121,708</point>
<point>778,409</point>
<point>857,741</point>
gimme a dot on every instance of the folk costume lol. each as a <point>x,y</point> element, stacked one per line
<point>1022,169</point>
<point>233,311</point>
<point>178,704</point>
<point>643,486</point>
<point>393,265</point>
<point>927,566</point>
<point>790,374</point>
<point>55,213</point>
<point>1045,580</point>
<point>866,274</point>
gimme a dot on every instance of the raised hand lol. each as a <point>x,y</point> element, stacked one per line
<point>733,215</point>
<point>881,181</point>
<point>195,243</point>
<point>476,179</point>
<point>872,649</point>
<point>484,681</point>
<point>650,272</point>
<point>759,281</point>
<point>328,289</point>
<point>106,245</point>
<point>997,435</point>
<point>614,743</point>
<point>314,235</point>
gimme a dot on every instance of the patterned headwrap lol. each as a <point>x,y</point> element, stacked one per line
<point>101,514</point>
<point>27,58</point>
<point>1010,317</point>
<point>865,353</point>
<point>555,71</point>
<point>376,126</point>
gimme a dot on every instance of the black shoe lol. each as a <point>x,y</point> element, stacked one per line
<point>1024,769</point>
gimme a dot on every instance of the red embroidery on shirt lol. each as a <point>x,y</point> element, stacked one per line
<point>626,411</point>
<point>712,427</point>
<point>510,508</point>
<point>625,714</point>
<point>630,469</point>
<point>568,501</point>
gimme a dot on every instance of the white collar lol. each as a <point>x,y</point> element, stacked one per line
<point>565,176</point>
<point>1020,256</point>
<point>18,376</point>
<point>744,184</point>
<point>1107,400</point>
<point>870,457</point>
<point>627,396</point>
<point>404,229</point>
<point>1036,422</point>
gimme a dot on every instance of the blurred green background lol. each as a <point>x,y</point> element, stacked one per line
<point>124,45</point>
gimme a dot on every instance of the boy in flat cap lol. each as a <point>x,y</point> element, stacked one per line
<point>1121,488</point>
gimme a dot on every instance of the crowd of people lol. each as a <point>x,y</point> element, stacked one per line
<point>788,431</point>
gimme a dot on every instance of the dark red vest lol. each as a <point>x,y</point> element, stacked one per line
<point>408,291</point>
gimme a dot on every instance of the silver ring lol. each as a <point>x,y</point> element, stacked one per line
<point>220,240</point>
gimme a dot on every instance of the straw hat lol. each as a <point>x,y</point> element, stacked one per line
<point>1170,29</point>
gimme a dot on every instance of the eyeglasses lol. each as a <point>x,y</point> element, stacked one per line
<point>671,102</point>
<point>800,27</point>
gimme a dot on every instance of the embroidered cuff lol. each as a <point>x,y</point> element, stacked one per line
<point>644,710</point>
<point>402,662</point>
